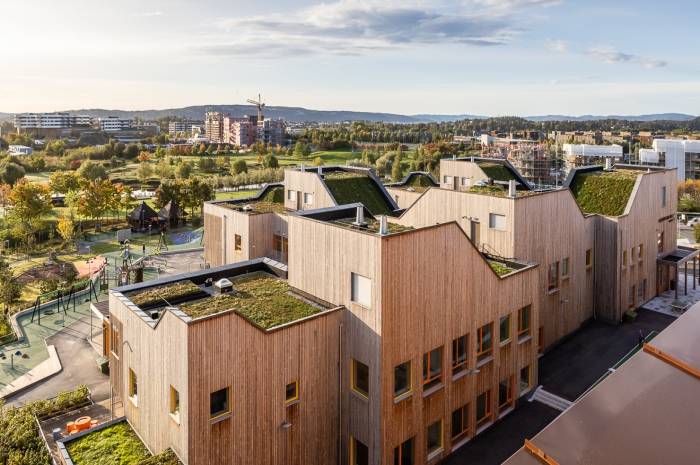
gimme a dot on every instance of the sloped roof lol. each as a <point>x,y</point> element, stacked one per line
<point>349,187</point>
<point>142,212</point>
<point>171,211</point>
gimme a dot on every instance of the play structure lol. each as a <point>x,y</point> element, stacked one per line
<point>143,218</point>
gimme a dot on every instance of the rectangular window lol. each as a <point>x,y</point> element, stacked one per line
<point>553,277</point>
<point>446,179</point>
<point>308,198</point>
<point>359,453</point>
<point>484,341</point>
<point>624,258</point>
<point>524,321</point>
<point>403,454</point>
<point>361,290</point>
<point>465,182</point>
<point>220,403</point>
<point>133,386</point>
<point>525,379</point>
<point>292,195</point>
<point>589,258</point>
<point>402,379</point>
<point>237,242</point>
<point>115,337</point>
<point>497,221</point>
<point>434,439</point>
<point>291,392</point>
<point>359,374</point>
<point>460,423</point>
<point>540,340</point>
<point>641,252</point>
<point>432,368</point>
<point>483,408</point>
<point>630,297</point>
<point>663,196</point>
<point>504,329</point>
<point>459,353</point>
<point>565,268</point>
<point>174,402</point>
<point>505,394</point>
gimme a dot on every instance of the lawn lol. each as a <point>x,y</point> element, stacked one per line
<point>117,444</point>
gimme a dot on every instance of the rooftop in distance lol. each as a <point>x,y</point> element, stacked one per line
<point>418,181</point>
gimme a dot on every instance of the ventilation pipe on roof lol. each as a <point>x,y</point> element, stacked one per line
<point>302,168</point>
<point>360,216</point>
<point>454,156</point>
<point>511,188</point>
<point>608,164</point>
<point>320,170</point>
<point>383,226</point>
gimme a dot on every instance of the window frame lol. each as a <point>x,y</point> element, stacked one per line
<point>436,450</point>
<point>409,379</point>
<point>354,363</point>
<point>459,365</point>
<point>291,400</point>
<point>488,409</point>
<point>291,195</point>
<point>641,252</point>
<point>527,389</point>
<point>510,398</point>
<point>399,451</point>
<point>354,290</point>
<point>501,340</point>
<point>565,268</point>
<point>353,450</point>
<point>553,284</point>
<point>237,243</point>
<point>133,387</point>
<point>494,222</point>
<point>464,432</point>
<point>524,332</point>
<point>430,381</point>
<point>223,413</point>
<point>487,352</point>
<point>308,198</point>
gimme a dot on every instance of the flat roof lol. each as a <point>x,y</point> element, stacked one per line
<point>645,413</point>
<point>345,216</point>
<point>270,199</point>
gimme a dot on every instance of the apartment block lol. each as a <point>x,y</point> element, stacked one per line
<point>241,132</point>
<point>183,128</point>
<point>576,155</point>
<point>115,123</point>
<point>271,131</point>
<point>49,124</point>
<point>681,154</point>
<point>214,126</point>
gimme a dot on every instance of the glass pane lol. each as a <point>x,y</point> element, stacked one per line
<point>457,422</point>
<point>361,377</point>
<point>486,338</point>
<point>502,392</point>
<point>525,378</point>
<point>361,453</point>
<point>407,452</point>
<point>434,436</point>
<point>219,402</point>
<point>435,362</point>
<point>481,406</point>
<point>401,382</point>
<point>505,328</point>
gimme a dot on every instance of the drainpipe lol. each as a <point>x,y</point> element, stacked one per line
<point>340,391</point>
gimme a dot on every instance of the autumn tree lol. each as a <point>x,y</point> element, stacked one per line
<point>30,201</point>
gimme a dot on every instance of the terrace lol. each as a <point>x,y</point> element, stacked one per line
<point>503,267</point>
<point>346,216</point>
<point>256,294</point>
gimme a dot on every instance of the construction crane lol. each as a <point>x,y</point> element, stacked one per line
<point>258,103</point>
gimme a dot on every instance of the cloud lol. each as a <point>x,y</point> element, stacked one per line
<point>148,14</point>
<point>611,55</point>
<point>354,27</point>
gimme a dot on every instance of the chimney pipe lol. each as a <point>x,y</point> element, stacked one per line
<point>302,168</point>
<point>608,164</point>
<point>511,188</point>
<point>360,216</point>
<point>319,170</point>
<point>454,156</point>
<point>383,226</point>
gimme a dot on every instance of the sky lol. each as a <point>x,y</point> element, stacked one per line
<point>485,57</point>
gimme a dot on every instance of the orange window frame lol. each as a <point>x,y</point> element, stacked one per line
<point>509,395</point>
<point>464,426</point>
<point>488,413</point>
<point>522,330</point>
<point>459,365</point>
<point>427,379</point>
<point>480,341</point>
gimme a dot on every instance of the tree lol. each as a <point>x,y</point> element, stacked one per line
<point>67,230</point>
<point>396,170</point>
<point>144,171</point>
<point>240,166</point>
<point>63,182</point>
<point>96,198</point>
<point>92,171</point>
<point>131,151</point>
<point>11,172</point>
<point>301,149</point>
<point>56,147</point>
<point>183,170</point>
<point>207,164</point>
<point>30,202</point>
<point>198,192</point>
<point>270,161</point>
<point>163,169</point>
<point>144,156</point>
<point>10,289</point>
<point>318,161</point>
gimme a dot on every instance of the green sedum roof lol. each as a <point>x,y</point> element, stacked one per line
<point>349,188</point>
<point>496,171</point>
<point>604,192</point>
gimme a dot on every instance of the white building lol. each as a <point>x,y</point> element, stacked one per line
<point>25,121</point>
<point>20,150</point>
<point>592,151</point>
<point>115,123</point>
<point>684,155</point>
<point>184,127</point>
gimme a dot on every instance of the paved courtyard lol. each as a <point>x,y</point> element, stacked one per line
<point>664,302</point>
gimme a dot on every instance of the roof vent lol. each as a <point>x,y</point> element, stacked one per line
<point>608,164</point>
<point>383,226</point>
<point>302,168</point>
<point>247,208</point>
<point>511,188</point>
<point>319,170</point>
<point>454,156</point>
<point>224,285</point>
<point>360,216</point>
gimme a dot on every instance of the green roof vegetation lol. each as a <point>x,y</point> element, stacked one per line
<point>258,297</point>
<point>496,171</point>
<point>500,268</point>
<point>604,192</point>
<point>157,295</point>
<point>271,201</point>
<point>373,225</point>
<point>117,444</point>
<point>420,182</point>
<point>497,190</point>
<point>352,187</point>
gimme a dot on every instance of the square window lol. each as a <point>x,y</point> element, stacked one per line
<point>460,423</point>
<point>174,401</point>
<point>446,179</point>
<point>565,268</point>
<point>505,394</point>
<point>292,195</point>
<point>525,379</point>
<point>219,403</point>
<point>434,438</point>
<point>237,242</point>
<point>432,368</point>
<point>402,379</point>
<point>291,392</point>
<point>459,353</point>
<point>497,221</point>
<point>483,408</point>
<point>308,198</point>
<point>505,328</point>
<point>359,453</point>
<point>361,290</point>
<point>360,378</point>
<point>403,454</point>
<point>524,321</point>
<point>484,341</point>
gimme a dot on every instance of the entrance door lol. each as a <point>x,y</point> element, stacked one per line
<point>300,199</point>
<point>474,232</point>
<point>455,183</point>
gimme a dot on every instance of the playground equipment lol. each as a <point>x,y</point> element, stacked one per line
<point>63,299</point>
